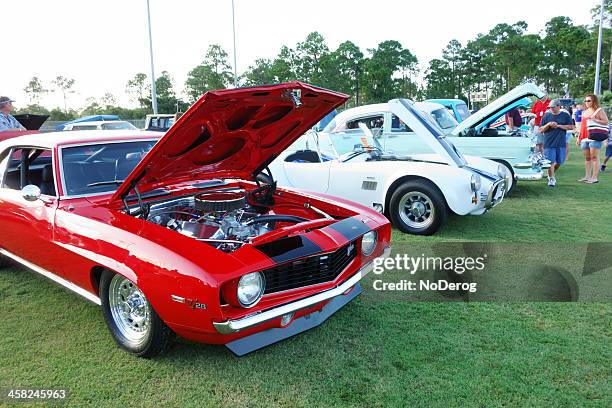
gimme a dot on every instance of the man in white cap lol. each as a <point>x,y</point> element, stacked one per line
<point>554,127</point>
<point>8,121</point>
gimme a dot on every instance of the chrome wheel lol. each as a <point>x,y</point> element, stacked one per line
<point>130,309</point>
<point>416,210</point>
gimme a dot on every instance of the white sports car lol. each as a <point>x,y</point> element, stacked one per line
<point>416,192</point>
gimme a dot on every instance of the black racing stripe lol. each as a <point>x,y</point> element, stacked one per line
<point>350,228</point>
<point>288,248</point>
<point>483,173</point>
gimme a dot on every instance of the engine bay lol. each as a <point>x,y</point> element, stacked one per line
<point>221,218</point>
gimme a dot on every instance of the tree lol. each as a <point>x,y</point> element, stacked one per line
<point>139,90</point>
<point>387,60</point>
<point>309,55</point>
<point>344,70</point>
<point>166,97</point>
<point>213,73</point>
<point>35,90</point>
<point>65,86</point>
<point>566,54</point>
<point>439,79</point>
<point>260,73</point>
<point>285,65</point>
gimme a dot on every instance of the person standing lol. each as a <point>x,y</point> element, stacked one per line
<point>8,121</point>
<point>578,117</point>
<point>591,148</point>
<point>554,127</point>
<point>539,109</point>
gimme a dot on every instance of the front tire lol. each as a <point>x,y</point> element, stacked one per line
<point>417,207</point>
<point>133,323</point>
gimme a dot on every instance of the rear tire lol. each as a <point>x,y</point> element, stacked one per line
<point>132,321</point>
<point>417,207</point>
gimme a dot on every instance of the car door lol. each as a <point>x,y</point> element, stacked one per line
<point>305,167</point>
<point>26,227</point>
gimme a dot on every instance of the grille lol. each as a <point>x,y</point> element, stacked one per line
<point>369,185</point>
<point>309,271</point>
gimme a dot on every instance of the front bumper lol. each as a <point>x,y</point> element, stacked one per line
<point>529,176</point>
<point>233,326</point>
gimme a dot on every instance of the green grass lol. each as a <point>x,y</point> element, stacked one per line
<point>376,352</point>
<point>570,212</point>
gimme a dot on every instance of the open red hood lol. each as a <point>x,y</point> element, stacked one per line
<point>231,133</point>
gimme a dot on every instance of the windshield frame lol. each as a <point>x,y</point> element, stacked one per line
<point>60,160</point>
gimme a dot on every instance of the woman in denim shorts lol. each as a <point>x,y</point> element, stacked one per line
<point>591,148</point>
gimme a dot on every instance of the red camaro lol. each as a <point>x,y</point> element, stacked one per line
<point>178,235</point>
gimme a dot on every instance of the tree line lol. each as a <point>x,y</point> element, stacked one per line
<point>561,59</point>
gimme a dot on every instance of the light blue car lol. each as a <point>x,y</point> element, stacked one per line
<point>456,107</point>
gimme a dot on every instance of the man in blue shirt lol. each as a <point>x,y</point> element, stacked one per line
<point>554,126</point>
<point>7,121</point>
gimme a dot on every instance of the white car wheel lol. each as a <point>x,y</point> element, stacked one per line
<point>132,321</point>
<point>417,207</point>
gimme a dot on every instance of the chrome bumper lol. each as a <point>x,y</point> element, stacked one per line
<point>492,201</point>
<point>233,326</point>
<point>529,177</point>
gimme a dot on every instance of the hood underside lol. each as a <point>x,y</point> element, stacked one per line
<point>498,107</point>
<point>232,133</point>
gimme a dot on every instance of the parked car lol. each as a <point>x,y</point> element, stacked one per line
<point>514,150</point>
<point>88,118</point>
<point>476,135</point>
<point>161,122</point>
<point>456,107</point>
<point>357,159</point>
<point>101,125</point>
<point>171,234</point>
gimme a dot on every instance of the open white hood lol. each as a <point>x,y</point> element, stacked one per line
<point>496,108</point>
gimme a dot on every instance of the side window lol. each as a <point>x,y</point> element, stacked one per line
<point>4,159</point>
<point>39,170</point>
<point>372,122</point>
<point>397,125</point>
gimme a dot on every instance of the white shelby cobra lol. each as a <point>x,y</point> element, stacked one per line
<point>416,192</point>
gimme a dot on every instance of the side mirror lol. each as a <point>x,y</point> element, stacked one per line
<point>31,192</point>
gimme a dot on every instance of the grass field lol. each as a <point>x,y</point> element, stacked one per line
<point>375,352</point>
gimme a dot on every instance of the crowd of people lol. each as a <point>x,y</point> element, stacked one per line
<point>555,126</point>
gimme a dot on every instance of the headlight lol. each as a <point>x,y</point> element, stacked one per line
<point>475,182</point>
<point>368,243</point>
<point>250,289</point>
<point>501,171</point>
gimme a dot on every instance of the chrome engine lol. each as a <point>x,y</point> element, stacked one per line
<point>222,219</point>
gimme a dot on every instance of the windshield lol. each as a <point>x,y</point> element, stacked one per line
<point>352,140</point>
<point>463,111</point>
<point>444,119</point>
<point>118,126</point>
<point>100,168</point>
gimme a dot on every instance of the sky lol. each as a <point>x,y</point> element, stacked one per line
<point>103,44</point>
